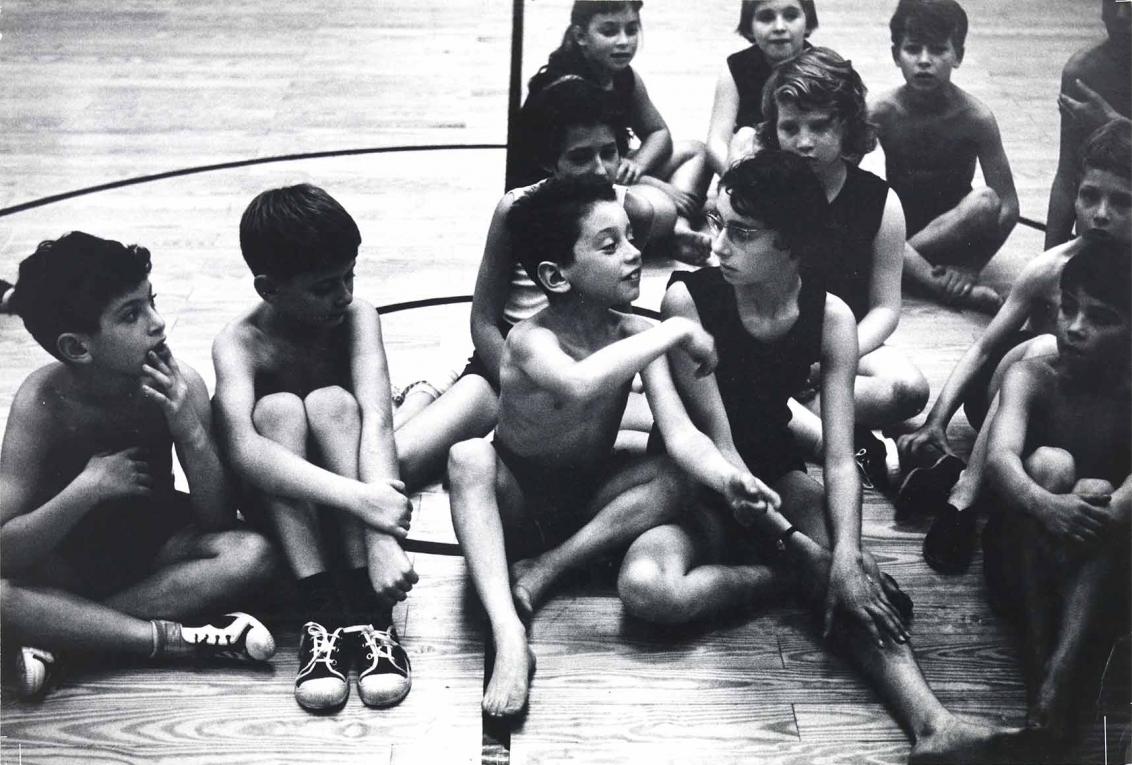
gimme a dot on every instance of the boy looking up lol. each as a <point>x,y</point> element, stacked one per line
<point>550,494</point>
<point>100,552</point>
<point>302,393</point>
<point>1057,556</point>
<point>932,133</point>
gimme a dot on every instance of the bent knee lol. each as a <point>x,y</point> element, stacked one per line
<point>908,395</point>
<point>985,205</point>
<point>1053,469</point>
<point>279,415</point>
<point>469,459</point>
<point>331,406</point>
<point>247,557</point>
<point>647,593</point>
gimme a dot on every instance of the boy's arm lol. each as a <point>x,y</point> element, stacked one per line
<point>656,141</point>
<point>1009,319</point>
<point>724,109</point>
<point>1070,518</point>
<point>884,289</point>
<point>1060,216</point>
<point>183,399</point>
<point>996,170</point>
<point>391,573</point>
<point>850,590</point>
<point>705,450</point>
<point>276,470</point>
<point>30,531</point>
<point>535,350</point>
<point>492,285</point>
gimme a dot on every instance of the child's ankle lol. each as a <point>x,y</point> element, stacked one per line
<point>168,640</point>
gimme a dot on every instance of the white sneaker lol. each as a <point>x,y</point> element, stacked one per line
<point>34,667</point>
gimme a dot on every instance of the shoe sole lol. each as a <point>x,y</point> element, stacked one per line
<point>924,484</point>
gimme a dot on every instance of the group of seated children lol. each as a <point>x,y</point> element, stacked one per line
<point>776,355</point>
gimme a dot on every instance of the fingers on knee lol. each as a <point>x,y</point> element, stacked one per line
<point>332,406</point>
<point>1053,469</point>
<point>647,593</point>
<point>280,414</point>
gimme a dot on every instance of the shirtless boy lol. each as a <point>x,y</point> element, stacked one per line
<point>932,133</point>
<point>1057,556</point>
<point>101,554</point>
<point>550,494</point>
<point>302,395</point>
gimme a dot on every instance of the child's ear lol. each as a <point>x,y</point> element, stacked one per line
<point>73,347</point>
<point>896,54</point>
<point>265,287</point>
<point>959,57</point>
<point>551,276</point>
<point>578,34</point>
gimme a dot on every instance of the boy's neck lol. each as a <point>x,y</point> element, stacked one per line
<point>97,384</point>
<point>279,324</point>
<point>583,317</point>
<point>933,101</point>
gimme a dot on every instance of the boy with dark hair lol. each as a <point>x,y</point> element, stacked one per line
<point>100,552</point>
<point>1057,556</point>
<point>1096,87</point>
<point>940,485</point>
<point>549,494</point>
<point>302,395</point>
<point>932,133</point>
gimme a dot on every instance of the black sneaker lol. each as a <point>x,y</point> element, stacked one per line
<point>321,683</point>
<point>877,459</point>
<point>949,544</point>
<point>34,672</point>
<point>235,636</point>
<point>384,673</point>
<point>925,489</point>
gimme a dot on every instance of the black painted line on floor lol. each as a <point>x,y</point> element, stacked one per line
<point>1031,223</point>
<point>244,163</point>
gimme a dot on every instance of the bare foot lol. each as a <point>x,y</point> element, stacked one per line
<point>690,246</point>
<point>966,743</point>
<point>982,299</point>
<point>529,582</point>
<point>506,693</point>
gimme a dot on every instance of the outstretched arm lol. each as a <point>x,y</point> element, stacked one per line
<point>1060,215</point>
<point>724,109</point>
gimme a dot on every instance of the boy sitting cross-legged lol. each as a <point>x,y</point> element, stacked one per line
<point>932,133</point>
<point>101,554</point>
<point>1058,462</point>
<point>302,395</point>
<point>552,494</point>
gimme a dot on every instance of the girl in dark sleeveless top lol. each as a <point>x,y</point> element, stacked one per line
<point>815,107</point>
<point>770,317</point>
<point>599,45</point>
<point>777,31</point>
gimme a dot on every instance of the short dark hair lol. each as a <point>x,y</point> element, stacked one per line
<point>568,102</point>
<point>1109,148</point>
<point>66,284</point>
<point>1102,269</point>
<point>296,229</point>
<point>780,189</point>
<point>545,223</point>
<point>819,78</point>
<point>932,21</point>
<point>747,15</point>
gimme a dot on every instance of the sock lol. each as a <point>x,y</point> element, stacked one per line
<point>320,601</point>
<point>362,603</point>
<point>167,639</point>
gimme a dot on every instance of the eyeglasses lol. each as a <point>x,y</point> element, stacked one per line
<point>736,233</point>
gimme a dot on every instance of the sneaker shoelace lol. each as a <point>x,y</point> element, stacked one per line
<point>380,644</point>
<point>862,458</point>
<point>324,649</point>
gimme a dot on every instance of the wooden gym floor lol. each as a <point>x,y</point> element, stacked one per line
<point>102,91</point>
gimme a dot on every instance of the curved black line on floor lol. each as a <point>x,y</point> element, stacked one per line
<point>244,163</point>
<point>1035,224</point>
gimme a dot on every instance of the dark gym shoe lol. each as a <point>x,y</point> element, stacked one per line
<point>384,673</point>
<point>925,489</point>
<point>235,636</point>
<point>949,544</point>
<point>34,671</point>
<point>321,682</point>
<point>877,459</point>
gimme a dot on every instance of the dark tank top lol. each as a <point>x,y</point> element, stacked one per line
<point>855,215</point>
<point>756,377</point>
<point>750,70</point>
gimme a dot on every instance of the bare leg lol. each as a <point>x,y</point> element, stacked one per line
<point>968,233</point>
<point>631,502</point>
<point>476,516</point>
<point>58,621</point>
<point>282,417</point>
<point>667,577</point>
<point>466,410</point>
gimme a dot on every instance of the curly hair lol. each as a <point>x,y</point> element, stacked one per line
<point>1109,148</point>
<point>819,78</point>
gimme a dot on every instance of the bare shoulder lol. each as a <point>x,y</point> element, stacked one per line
<point>1043,271</point>
<point>885,108</point>
<point>678,301</point>
<point>1083,63</point>
<point>1036,375</point>
<point>38,403</point>
<point>838,316</point>
<point>975,112</point>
